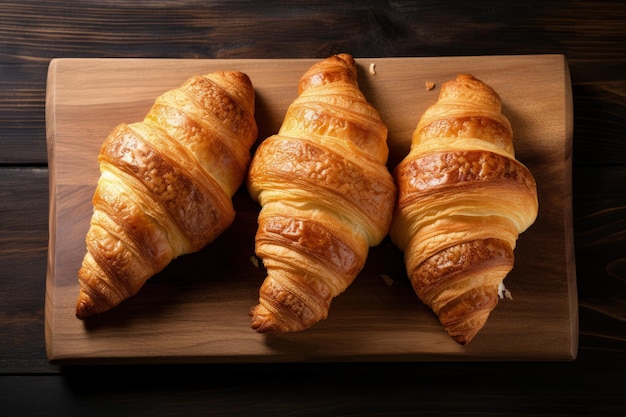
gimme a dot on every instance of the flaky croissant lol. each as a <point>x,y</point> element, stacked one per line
<point>326,197</point>
<point>166,185</point>
<point>463,199</point>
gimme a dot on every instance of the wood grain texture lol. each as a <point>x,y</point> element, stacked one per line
<point>23,251</point>
<point>589,33</point>
<point>197,309</point>
<point>370,390</point>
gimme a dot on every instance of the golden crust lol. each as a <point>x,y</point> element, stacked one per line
<point>465,257</point>
<point>334,69</point>
<point>300,170</point>
<point>447,168</point>
<point>463,200</point>
<point>165,186</point>
<point>471,127</point>
<point>203,115</point>
<point>314,241</point>
<point>326,196</point>
<point>192,201</point>
<point>463,312</point>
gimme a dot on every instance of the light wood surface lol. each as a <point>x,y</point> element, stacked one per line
<point>197,309</point>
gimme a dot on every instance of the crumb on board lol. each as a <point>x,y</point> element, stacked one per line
<point>373,68</point>
<point>503,292</point>
<point>387,279</point>
<point>430,85</point>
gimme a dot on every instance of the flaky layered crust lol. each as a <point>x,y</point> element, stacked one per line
<point>463,200</point>
<point>165,185</point>
<point>326,197</point>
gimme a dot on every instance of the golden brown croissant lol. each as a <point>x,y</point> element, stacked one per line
<point>463,199</point>
<point>326,197</point>
<point>165,185</point>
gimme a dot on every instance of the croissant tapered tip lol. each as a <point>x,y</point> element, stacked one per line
<point>465,339</point>
<point>262,320</point>
<point>347,58</point>
<point>265,321</point>
<point>467,327</point>
<point>86,306</point>
<point>335,68</point>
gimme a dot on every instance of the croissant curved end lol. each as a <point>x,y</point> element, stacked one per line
<point>264,321</point>
<point>86,306</point>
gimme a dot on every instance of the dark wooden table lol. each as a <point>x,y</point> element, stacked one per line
<point>592,36</point>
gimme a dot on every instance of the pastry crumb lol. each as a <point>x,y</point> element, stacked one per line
<point>373,68</point>
<point>387,279</point>
<point>430,85</point>
<point>255,261</point>
<point>503,292</point>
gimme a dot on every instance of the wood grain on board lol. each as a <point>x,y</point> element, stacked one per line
<point>196,310</point>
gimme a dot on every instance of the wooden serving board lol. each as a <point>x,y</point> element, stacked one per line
<point>196,310</point>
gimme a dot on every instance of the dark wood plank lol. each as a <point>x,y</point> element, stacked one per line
<point>22,117</point>
<point>600,222</point>
<point>23,249</point>
<point>528,389</point>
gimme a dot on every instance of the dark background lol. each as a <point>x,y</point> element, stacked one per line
<point>591,34</point>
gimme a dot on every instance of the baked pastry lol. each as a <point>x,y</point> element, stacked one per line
<point>463,200</point>
<point>165,185</point>
<point>326,197</point>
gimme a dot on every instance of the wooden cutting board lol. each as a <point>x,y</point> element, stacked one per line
<point>196,310</point>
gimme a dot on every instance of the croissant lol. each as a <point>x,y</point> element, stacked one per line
<point>326,196</point>
<point>166,185</point>
<point>463,200</point>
